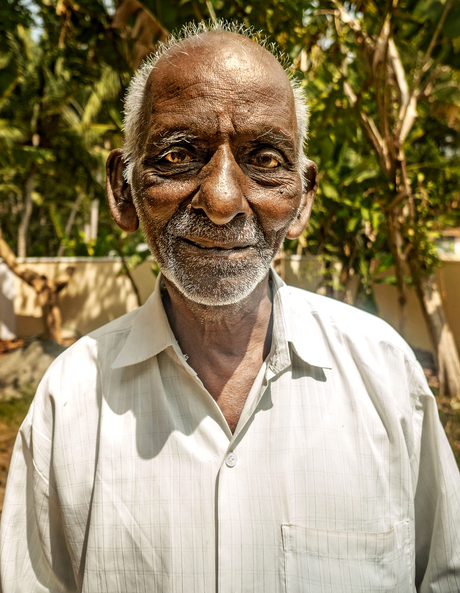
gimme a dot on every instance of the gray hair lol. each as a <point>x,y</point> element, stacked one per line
<point>133,120</point>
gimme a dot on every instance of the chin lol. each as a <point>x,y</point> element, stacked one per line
<point>214,287</point>
<point>213,276</point>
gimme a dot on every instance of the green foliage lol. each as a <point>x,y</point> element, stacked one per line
<point>57,106</point>
<point>13,412</point>
<point>351,216</point>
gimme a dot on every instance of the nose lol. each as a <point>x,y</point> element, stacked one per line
<point>220,195</point>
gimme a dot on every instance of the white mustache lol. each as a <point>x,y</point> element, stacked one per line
<point>192,224</point>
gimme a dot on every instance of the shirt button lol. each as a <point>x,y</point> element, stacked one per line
<point>231,459</point>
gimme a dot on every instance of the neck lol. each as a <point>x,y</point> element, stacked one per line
<point>229,330</point>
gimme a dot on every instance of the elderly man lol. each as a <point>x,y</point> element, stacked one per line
<point>233,434</point>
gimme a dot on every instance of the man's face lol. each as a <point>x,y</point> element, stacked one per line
<point>216,186</point>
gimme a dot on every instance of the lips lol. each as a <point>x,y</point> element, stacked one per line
<point>208,244</point>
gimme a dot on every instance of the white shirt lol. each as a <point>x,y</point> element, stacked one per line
<point>339,478</point>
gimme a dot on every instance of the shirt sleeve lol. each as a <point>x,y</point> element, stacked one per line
<point>34,554</point>
<point>437,501</point>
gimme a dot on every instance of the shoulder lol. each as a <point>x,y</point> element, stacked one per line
<point>106,340</point>
<point>71,391</point>
<point>355,343</point>
<point>345,320</point>
<point>80,364</point>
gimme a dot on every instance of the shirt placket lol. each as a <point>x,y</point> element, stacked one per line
<point>228,528</point>
<point>238,563</point>
<point>237,567</point>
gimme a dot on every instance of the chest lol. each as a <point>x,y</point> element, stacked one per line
<point>175,496</point>
<point>229,384</point>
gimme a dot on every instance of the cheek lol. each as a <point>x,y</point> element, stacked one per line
<point>157,201</point>
<point>277,207</point>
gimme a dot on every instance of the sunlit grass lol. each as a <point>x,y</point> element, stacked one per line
<point>12,414</point>
<point>450,419</point>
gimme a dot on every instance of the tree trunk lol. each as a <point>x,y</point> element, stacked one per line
<point>47,290</point>
<point>27,212</point>
<point>52,318</point>
<point>398,265</point>
<point>127,271</point>
<point>392,160</point>
<point>70,221</point>
<point>442,340</point>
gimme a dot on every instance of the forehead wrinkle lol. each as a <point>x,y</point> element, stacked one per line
<point>223,117</point>
<point>224,92</point>
<point>239,72</point>
<point>279,137</point>
<point>173,95</point>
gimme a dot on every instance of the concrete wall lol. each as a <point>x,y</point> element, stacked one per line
<point>304,272</point>
<point>7,290</point>
<point>449,280</point>
<point>97,294</point>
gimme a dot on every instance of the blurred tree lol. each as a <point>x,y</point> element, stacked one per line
<point>47,291</point>
<point>391,72</point>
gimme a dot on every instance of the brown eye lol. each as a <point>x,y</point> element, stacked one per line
<point>177,157</point>
<point>267,161</point>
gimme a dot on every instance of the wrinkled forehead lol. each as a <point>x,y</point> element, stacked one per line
<point>227,64</point>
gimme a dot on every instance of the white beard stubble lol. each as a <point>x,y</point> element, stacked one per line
<point>214,281</point>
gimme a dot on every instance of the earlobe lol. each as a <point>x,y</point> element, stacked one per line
<point>119,194</point>
<point>308,197</point>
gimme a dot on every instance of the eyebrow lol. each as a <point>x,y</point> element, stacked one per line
<point>166,139</point>
<point>277,138</point>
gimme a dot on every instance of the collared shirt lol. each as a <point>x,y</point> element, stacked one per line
<point>125,476</point>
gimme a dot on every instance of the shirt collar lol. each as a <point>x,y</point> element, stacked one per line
<point>294,324</point>
<point>150,332</point>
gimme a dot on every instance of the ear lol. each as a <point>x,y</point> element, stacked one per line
<point>308,197</point>
<point>119,193</point>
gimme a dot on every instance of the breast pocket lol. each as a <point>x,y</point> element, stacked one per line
<point>324,561</point>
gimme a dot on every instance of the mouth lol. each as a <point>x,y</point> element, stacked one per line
<point>210,245</point>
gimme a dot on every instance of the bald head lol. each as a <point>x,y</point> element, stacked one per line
<point>204,55</point>
<point>223,53</point>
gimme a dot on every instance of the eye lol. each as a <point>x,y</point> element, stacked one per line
<point>178,157</point>
<point>266,161</point>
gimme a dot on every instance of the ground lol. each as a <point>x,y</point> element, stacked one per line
<point>11,415</point>
<point>23,364</point>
